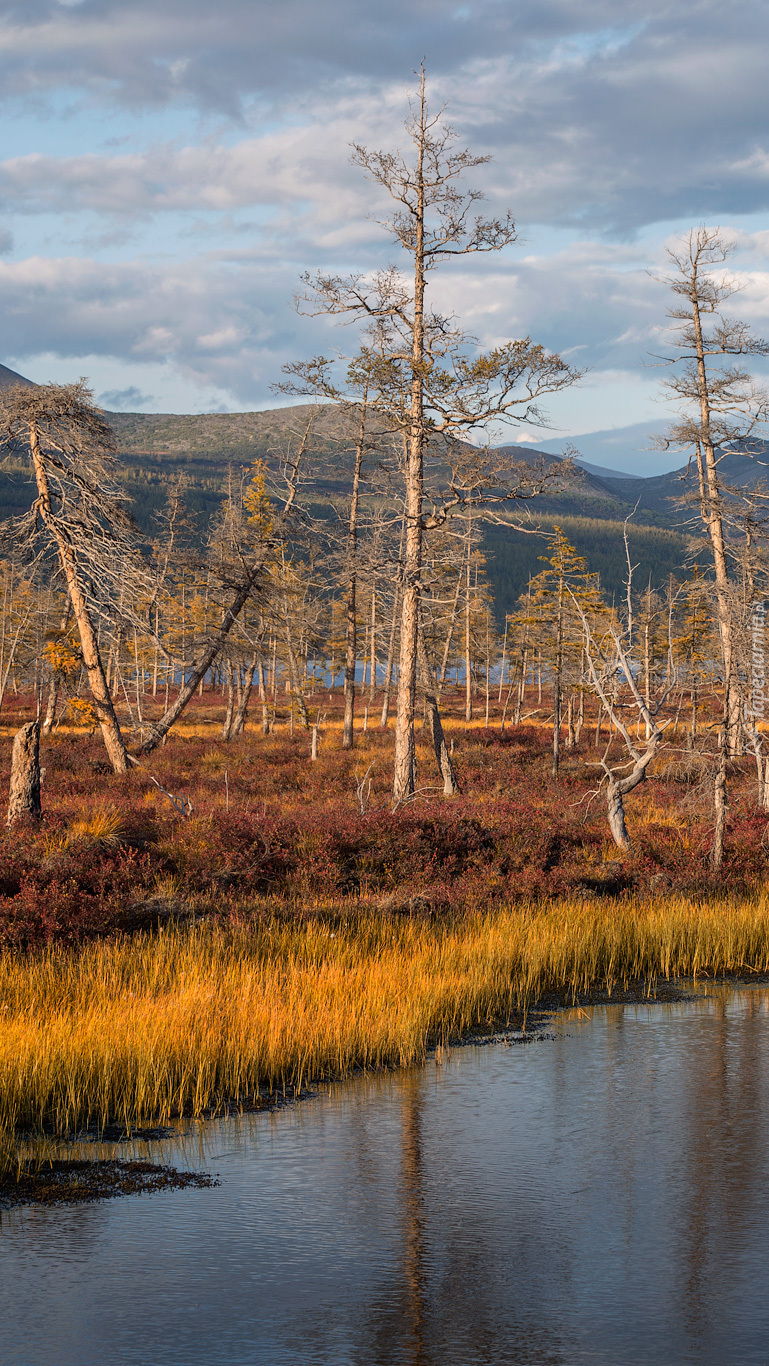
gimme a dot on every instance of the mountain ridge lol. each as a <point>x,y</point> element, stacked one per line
<point>592,504</point>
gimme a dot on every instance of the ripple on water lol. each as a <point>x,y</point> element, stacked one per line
<point>601,1196</point>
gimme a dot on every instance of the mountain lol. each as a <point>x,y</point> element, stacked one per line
<point>661,497</point>
<point>9,377</point>
<point>583,494</point>
<point>208,449</point>
<point>623,450</point>
<point>591,505</point>
<point>602,471</point>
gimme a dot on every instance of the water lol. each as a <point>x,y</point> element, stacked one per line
<point>599,1197</point>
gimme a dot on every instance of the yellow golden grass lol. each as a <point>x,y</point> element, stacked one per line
<point>142,1029</point>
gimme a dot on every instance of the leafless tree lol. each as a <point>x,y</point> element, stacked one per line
<point>81,514</point>
<point>426,378</point>
<point>241,547</point>
<point>721,405</point>
<point>611,664</point>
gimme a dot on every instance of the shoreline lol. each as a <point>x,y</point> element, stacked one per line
<point>448,1028</point>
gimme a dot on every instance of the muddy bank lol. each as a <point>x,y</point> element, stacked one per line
<point>77,1182</point>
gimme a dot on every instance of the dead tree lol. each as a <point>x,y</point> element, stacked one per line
<point>81,513</point>
<point>24,797</point>
<point>241,571</point>
<point>348,737</point>
<point>605,663</point>
<point>722,406</point>
<point>450,785</point>
<point>423,382</point>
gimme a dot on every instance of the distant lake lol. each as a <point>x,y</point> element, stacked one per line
<point>599,1196</point>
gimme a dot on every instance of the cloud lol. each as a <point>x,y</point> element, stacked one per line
<point>230,326</point>
<point>127,400</point>
<point>223,329</point>
<point>602,121</point>
<point>158,50</point>
<point>597,116</point>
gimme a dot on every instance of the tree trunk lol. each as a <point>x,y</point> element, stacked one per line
<point>711,510</point>
<point>404,767</point>
<point>388,678</point>
<point>239,721</point>
<point>580,717</point>
<point>720,798</point>
<point>556,724</point>
<point>618,788</point>
<point>446,769</point>
<point>468,662</point>
<point>570,740</point>
<point>263,696</point>
<point>24,796</point>
<point>521,694</point>
<point>55,681</point>
<point>160,728</point>
<point>54,686</point>
<point>372,679</point>
<point>139,679</point>
<point>616,814</point>
<point>557,682</point>
<point>488,673</point>
<point>227,723</point>
<point>502,667</point>
<point>351,645</point>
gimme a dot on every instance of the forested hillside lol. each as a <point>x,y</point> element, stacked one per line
<point>208,448</point>
<point>512,557</point>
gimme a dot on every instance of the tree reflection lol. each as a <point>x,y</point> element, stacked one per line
<point>413,1208</point>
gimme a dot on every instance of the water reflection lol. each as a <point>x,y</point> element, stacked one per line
<point>600,1197</point>
<point>414,1237</point>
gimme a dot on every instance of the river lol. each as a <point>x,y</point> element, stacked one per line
<point>598,1195</point>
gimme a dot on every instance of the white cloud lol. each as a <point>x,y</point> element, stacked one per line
<point>602,122</point>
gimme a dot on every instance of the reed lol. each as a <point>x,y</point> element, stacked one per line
<point>184,1021</point>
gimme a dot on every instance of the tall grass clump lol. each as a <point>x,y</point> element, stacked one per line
<point>182,1022</point>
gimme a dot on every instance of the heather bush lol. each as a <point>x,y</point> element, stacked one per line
<point>268,826</point>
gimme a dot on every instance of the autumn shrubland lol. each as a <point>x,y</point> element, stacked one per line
<point>269,832</point>
<point>294,926</point>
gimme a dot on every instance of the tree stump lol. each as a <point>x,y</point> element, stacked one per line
<point>24,797</point>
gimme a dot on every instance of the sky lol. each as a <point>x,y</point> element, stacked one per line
<point>170,168</point>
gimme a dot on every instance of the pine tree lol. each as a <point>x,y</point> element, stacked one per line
<point>549,613</point>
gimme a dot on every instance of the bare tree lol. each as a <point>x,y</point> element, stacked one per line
<point>81,513</point>
<point>611,665</point>
<point>721,404</point>
<point>247,540</point>
<point>423,379</point>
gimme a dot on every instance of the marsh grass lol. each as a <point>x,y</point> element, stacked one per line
<point>187,1021</point>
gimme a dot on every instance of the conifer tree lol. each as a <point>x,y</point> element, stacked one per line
<point>551,613</point>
